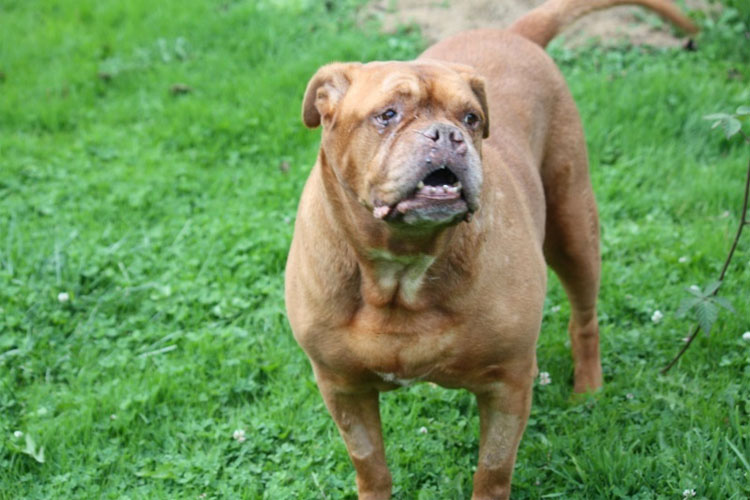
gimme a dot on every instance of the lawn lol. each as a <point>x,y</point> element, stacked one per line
<point>151,157</point>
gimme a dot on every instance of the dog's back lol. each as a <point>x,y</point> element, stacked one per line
<point>537,135</point>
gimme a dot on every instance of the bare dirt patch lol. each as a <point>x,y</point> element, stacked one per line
<point>440,18</point>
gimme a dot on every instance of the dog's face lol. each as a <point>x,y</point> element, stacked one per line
<point>404,137</point>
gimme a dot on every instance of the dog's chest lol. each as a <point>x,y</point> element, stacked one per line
<point>403,346</point>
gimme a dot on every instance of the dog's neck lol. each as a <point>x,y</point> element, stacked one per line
<point>394,262</point>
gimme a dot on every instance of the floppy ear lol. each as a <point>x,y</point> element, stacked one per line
<point>477,85</point>
<point>325,90</point>
<point>476,82</point>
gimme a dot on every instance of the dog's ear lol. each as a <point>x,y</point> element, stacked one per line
<point>476,82</point>
<point>325,90</point>
<point>477,85</point>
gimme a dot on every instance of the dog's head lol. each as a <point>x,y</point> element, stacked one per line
<point>404,137</point>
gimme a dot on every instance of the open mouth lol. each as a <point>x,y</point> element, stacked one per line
<point>442,184</point>
<point>437,197</point>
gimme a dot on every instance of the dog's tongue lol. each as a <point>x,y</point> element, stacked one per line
<point>381,212</point>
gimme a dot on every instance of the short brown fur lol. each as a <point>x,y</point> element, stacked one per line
<point>378,291</point>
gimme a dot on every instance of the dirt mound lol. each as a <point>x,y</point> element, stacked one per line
<point>441,18</point>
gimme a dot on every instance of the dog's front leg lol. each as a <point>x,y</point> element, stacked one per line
<point>503,412</point>
<point>357,415</point>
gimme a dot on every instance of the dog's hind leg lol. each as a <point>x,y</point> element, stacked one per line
<point>571,244</point>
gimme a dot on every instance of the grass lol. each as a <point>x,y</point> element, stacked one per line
<point>166,216</point>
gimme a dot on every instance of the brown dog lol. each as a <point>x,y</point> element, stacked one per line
<point>385,285</point>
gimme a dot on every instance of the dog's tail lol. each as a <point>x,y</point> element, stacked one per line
<point>542,24</point>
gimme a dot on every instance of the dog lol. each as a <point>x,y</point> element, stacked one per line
<point>443,189</point>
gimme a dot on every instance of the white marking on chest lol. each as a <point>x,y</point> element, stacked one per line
<point>405,271</point>
<point>393,379</point>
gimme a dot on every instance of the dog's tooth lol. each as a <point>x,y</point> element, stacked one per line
<point>420,185</point>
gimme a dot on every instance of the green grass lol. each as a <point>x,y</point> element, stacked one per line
<point>166,218</point>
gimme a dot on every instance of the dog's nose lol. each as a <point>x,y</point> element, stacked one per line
<point>446,135</point>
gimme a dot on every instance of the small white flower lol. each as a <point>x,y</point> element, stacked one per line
<point>18,434</point>
<point>63,297</point>
<point>544,378</point>
<point>746,336</point>
<point>683,259</point>
<point>113,417</point>
<point>688,493</point>
<point>555,309</point>
<point>239,435</point>
<point>423,430</point>
<point>686,339</point>
<point>629,395</point>
<point>657,316</point>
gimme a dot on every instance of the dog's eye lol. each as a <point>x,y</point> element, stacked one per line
<point>471,119</point>
<point>386,116</point>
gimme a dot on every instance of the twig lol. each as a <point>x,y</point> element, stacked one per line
<point>743,222</point>
<point>682,351</point>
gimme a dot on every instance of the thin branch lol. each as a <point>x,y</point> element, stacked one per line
<point>689,341</point>
<point>742,224</point>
